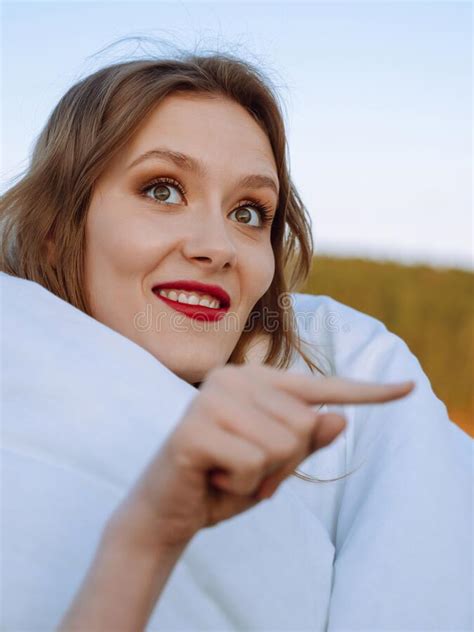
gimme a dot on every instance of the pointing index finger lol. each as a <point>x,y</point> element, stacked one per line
<point>337,390</point>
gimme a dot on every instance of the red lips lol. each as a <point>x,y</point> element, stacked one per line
<point>199,312</point>
<point>195,286</point>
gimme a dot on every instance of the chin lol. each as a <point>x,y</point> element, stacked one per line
<point>191,371</point>
<point>189,361</point>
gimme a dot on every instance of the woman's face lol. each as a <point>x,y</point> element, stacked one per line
<point>198,224</point>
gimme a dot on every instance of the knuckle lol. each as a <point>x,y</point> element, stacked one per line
<point>181,447</point>
<point>306,417</point>
<point>258,374</point>
<point>225,375</point>
<point>214,376</point>
<point>206,401</point>
<point>293,445</point>
<point>257,461</point>
<point>303,421</point>
<point>255,369</point>
<point>286,450</point>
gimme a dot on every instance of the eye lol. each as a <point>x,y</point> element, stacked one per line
<point>162,187</point>
<point>263,213</point>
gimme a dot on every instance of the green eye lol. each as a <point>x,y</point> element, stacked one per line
<point>164,185</point>
<point>264,214</point>
<point>244,216</point>
<point>242,212</point>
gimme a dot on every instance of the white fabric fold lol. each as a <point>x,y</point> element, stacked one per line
<point>403,556</point>
<point>84,409</point>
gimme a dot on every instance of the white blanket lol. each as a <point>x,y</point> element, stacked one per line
<point>83,410</point>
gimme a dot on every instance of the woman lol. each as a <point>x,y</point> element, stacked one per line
<point>159,203</point>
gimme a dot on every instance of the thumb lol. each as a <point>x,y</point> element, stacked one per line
<point>328,427</point>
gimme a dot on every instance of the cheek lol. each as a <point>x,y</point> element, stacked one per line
<point>260,271</point>
<point>123,242</point>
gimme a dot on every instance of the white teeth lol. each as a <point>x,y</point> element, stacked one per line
<point>191,298</point>
<point>208,301</point>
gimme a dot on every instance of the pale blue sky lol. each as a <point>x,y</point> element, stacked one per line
<point>378,99</point>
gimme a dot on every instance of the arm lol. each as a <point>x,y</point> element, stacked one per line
<point>122,585</point>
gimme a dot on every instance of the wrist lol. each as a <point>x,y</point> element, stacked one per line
<point>134,527</point>
<point>124,581</point>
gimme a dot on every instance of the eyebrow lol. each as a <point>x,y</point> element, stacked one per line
<point>253,181</point>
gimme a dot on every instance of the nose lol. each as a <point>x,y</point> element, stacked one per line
<point>210,244</point>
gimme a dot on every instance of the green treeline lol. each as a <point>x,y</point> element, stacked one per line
<point>430,308</point>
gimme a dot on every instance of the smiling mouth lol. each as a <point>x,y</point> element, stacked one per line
<point>190,298</point>
<point>192,304</point>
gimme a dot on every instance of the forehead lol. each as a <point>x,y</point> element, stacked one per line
<point>217,131</point>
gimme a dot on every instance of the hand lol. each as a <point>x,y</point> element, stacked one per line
<point>246,430</point>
